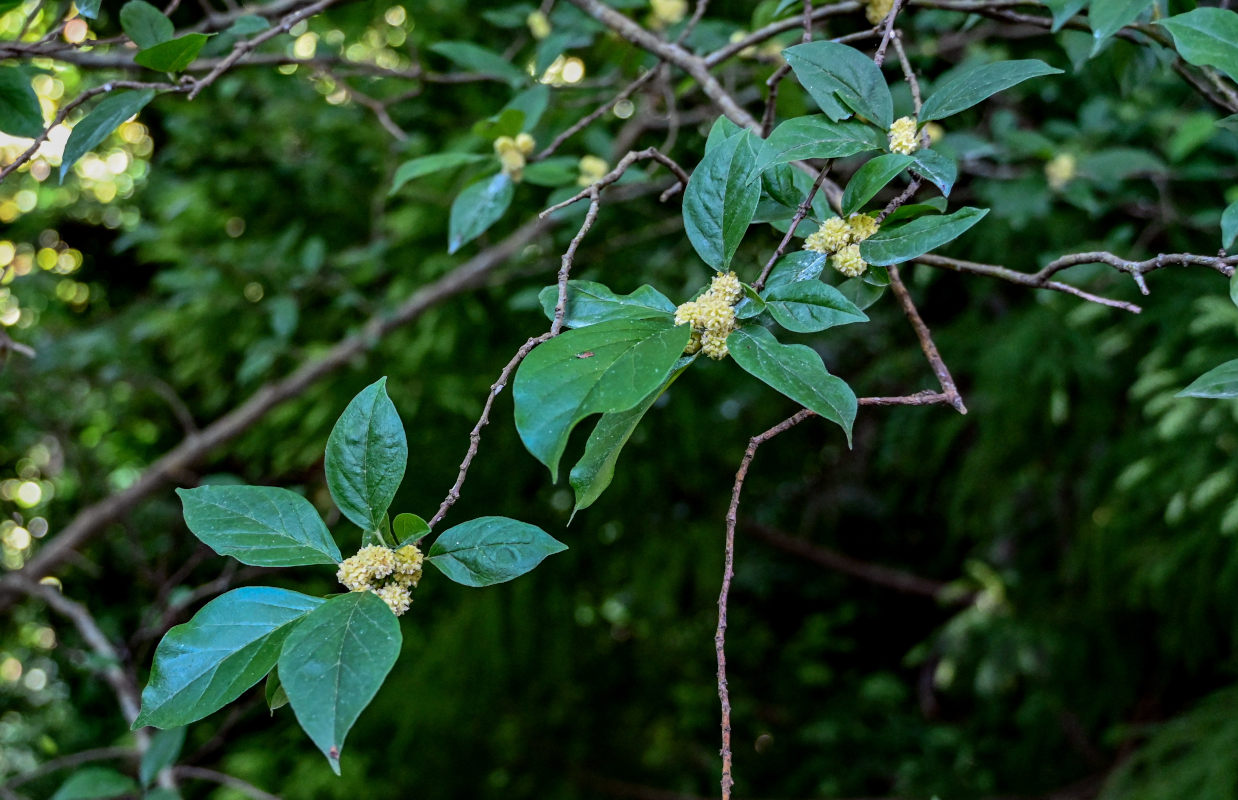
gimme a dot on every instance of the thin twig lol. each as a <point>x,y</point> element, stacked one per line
<point>593,115</point>
<point>800,213</point>
<point>926,341</point>
<point>888,32</point>
<point>72,760</point>
<point>606,180</point>
<point>569,255</point>
<point>732,49</point>
<point>771,100</point>
<point>223,779</point>
<point>909,74</point>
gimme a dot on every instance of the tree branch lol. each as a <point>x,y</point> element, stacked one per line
<point>926,341</point>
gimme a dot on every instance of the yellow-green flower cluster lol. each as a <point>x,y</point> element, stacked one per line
<point>841,239</point>
<point>666,13</point>
<point>388,573</point>
<point>592,170</point>
<point>539,24</point>
<point>876,10</point>
<point>1060,170</point>
<point>903,137</point>
<point>712,316</point>
<point>512,152</point>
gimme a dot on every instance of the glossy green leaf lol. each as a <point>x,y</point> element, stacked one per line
<point>553,172</point>
<point>20,114</point>
<point>87,8</point>
<point>226,648</point>
<point>720,200</point>
<point>860,292</point>
<point>595,469</point>
<point>95,126</point>
<point>816,137</point>
<point>95,783</point>
<point>720,131</point>
<point>802,265</point>
<point>810,306</point>
<point>174,55</point>
<point>841,80</point>
<point>937,169</point>
<point>750,305</point>
<point>263,526</point>
<point>796,371</point>
<point>1219,382</point>
<point>1106,17</point>
<point>589,303</point>
<point>604,368</point>
<point>367,453</point>
<point>1207,37</point>
<point>474,58</point>
<point>872,178</point>
<point>427,165</point>
<point>490,550</point>
<point>475,209</point>
<point>1063,11</point>
<point>409,529</point>
<point>273,692</point>
<point>1229,225</point>
<point>146,25</point>
<point>969,86</point>
<point>905,242</point>
<point>246,25</point>
<point>333,664</point>
<point>165,748</point>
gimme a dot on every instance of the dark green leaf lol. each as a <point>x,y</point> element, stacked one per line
<point>274,692</point>
<point>1108,16</point>
<point>721,130</point>
<point>490,550</point>
<point>803,265</point>
<point>20,114</point>
<point>367,453</point>
<point>796,371</point>
<point>861,292</point>
<point>750,305</point>
<point>554,171</point>
<point>144,24</point>
<point>409,529</point>
<point>970,86</point>
<point>246,25</point>
<point>426,165</point>
<point>810,306</point>
<point>95,127</point>
<point>1218,382</point>
<point>905,242</point>
<point>95,783</point>
<point>604,368</point>
<point>872,178</point>
<point>172,56</point>
<point>474,58</point>
<point>479,206</point>
<point>532,103</point>
<point>333,664</point>
<point>508,122</point>
<point>589,303</point>
<point>841,80</point>
<point>226,648</point>
<point>165,748</point>
<point>720,200</point>
<point>1063,10</point>
<point>1229,225</point>
<point>259,525</point>
<point>1207,37</point>
<point>816,137</point>
<point>937,169</point>
<point>87,8</point>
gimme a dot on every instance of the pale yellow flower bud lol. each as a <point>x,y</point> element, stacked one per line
<point>862,226</point>
<point>539,24</point>
<point>934,132</point>
<point>1060,170</point>
<point>370,564</point>
<point>833,235</point>
<point>848,261</point>
<point>525,143</point>
<point>902,136</point>
<point>712,315</point>
<point>592,170</point>
<point>668,12</point>
<point>876,10</point>
<point>396,597</point>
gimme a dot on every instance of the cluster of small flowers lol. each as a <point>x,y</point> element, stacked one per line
<point>512,152</point>
<point>667,12</point>
<point>388,573</point>
<point>712,316</point>
<point>841,239</point>
<point>876,10</point>
<point>903,137</point>
<point>592,170</point>
<point>1060,170</point>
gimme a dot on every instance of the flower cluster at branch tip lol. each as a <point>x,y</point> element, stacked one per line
<point>841,239</point>
<point>592,170</point>
<point>902,136</point>
<point>511,153</point>
<point>539,24</point>
<point>388,573</point>
<point>666,13</point>
<point>876,10</point>
<point>1060,170</point>
<point>712,316</point>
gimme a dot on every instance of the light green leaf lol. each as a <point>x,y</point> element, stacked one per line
<point>247,24</point>
<point>937,169</point>
<point>1108,16</point>
<point>1063,11</point>
<point>810,306</point>
<point>508,122</point>
<point>532,103</point>
<point>802,265</point>
<point>95,126</point>
<point>1229,225</point>
<point>226,648</point>
<point>95,783</point>
<point>970,86</point>
<point>367,453</point>
<point>479,206</point>
<point>409,529</point>
<point>490,550</point>
<point>841,79</point>
<point>905,242</point>
<point>1219,382</point>
<point>1207,37</point>
<point>333,664</point>
<point>872,178</point>
<point>174,55</point>
<point>553,172</point>
<point>476,59</point>
<point>589,303</point>
<point>144,24</point>
<point>427,165</point>
<point>604,368</point>
<point>263,526</point>
<point>165,748</point>
<point>797,372</point>
<point>20,114</point>
<point>720,200</point>
<point>816,137</point>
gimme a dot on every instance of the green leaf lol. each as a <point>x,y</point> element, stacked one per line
<point>553,172</point>
<point>967,87</point>
<point>604,368</point>
<point>720,131</point>
<point>532,103</point>
<point>226,648</point>
<point>816,137</point>
<point>165,748</point>
<point>479,206</point>
<point>720,200</point>
<point>905,242</point>
<point>95,783</point>
<point>474,58</point>
<point>427,165</point>
<point>246,25</point>
<point>937,169</point>
<point>841,80</point>
<point>861,292</point>
<point>1207,37</point>
<point>508,122</point>
<point>1063,11</point>
<point>20,114</point>
<point>1233,288</point>
<point>810,306</point>
<point>796,371</point>
<point>87,8</point>
<point>173,56</point>
<point>750,305</point>
<point>589,303</point>
<point>367,453</point>
<point>1108,16</point>
<point>1219,382</point>
<point>409,529</point>
<point>263,526</point>
<point>333,664</point>
<point>803,265</point>
<point>274,692</point>
<point>1229,225</point>
<point>144,24</point>
<point>490,550</point>
<point>872,178</point>
<point>95,126</point>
